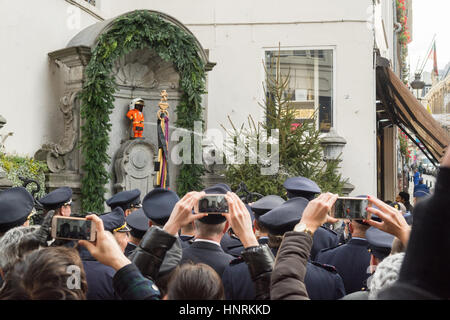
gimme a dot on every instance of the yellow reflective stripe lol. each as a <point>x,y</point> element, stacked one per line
<point>120,228</point>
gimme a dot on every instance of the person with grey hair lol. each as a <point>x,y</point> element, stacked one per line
<point>20,240</point>
<point>14,245</point>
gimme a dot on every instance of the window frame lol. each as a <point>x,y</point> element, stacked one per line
<point>304,48</point>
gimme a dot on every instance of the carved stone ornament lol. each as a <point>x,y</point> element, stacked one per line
<point>144,68</point>
<point>134,166</point>
<point>53,153</point>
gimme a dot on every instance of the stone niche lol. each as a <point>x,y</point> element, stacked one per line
<point>140,73</point>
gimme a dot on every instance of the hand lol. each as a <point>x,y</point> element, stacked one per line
<point>240,220</point>
<point>393,221</point>
<point>105,249</point>
<point>316,212</point>
<point>182,213</point>
<point>43,234</point>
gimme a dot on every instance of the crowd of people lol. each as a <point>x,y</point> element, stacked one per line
<point>273,248</point>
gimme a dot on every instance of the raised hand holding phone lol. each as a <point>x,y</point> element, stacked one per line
<point>240,220</point>
<point>105,248</point>
<point>182,213</point>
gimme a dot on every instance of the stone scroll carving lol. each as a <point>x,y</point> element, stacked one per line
<point>134,166</point>
<point>53,153</point>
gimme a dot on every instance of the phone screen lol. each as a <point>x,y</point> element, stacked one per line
<point>73,229</point>
<point>213,204</point>
<point>351,208</point>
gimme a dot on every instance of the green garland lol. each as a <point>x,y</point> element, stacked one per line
<point>136,30</point>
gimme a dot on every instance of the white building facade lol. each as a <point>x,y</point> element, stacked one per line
<point>238,35</point>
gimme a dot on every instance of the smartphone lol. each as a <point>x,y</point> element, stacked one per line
<point>212,204</point>
<point>71,228</point>
<point>350,208</point>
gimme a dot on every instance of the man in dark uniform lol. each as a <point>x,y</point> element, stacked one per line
<point>236,277</point>
<point>59,200</point>
<point>379,245</point>
<point>129,201</point>
<point>261,207</point>
<point>209,232</point>
<point>99,276</point>
<point>138,223</point>
<point>303,187</point>
<point>352,259</point>
<point>16,206</point>
<point>322,281</point>
<point>158,205</point>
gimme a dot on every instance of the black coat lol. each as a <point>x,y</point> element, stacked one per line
<point>351,260</point>
<point>99,278</point>
<point>129,249</point>
<point>207,253</point>
<point>322,282</point>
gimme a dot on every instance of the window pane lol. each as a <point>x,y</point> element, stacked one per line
<point>311,82</point>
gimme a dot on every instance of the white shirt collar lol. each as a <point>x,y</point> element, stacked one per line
<point>205,240</point>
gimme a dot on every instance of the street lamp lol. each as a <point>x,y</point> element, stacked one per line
<point>333,145</point>
<point>417,84</point>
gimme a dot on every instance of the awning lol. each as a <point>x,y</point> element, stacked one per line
<point>403,109</point>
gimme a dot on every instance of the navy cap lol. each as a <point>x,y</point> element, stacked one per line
<point>137,220</point>
<point>220,188</point>
<point>265,204</point>
<point>284,217</point>
<point>57,198</point>
<point>379,242</point>
<point>301,187</point>
<point>16,205</point>
<point>115,220</point>
<point>125,200</point>
<point>158,204</point>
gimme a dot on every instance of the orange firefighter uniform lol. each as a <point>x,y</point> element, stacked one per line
<point>138,122</point>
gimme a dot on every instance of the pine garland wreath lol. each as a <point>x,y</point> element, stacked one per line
<point>136,30</point>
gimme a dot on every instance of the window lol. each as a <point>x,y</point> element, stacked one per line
<point>311,82</point>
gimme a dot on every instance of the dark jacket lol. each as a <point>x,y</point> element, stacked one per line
<point>288,274</point>
<point>130,284</point>
<point>351,261</point>
<point>150,255</point>
<point>322,282</point>
<point>324,238</point>
<point>207,253</point>
<point>424,272</point>
<point>129,249</point>
<point>231,245</point>
<point>99,278</point>
<point>186,241</point>
<point>260,261</point>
